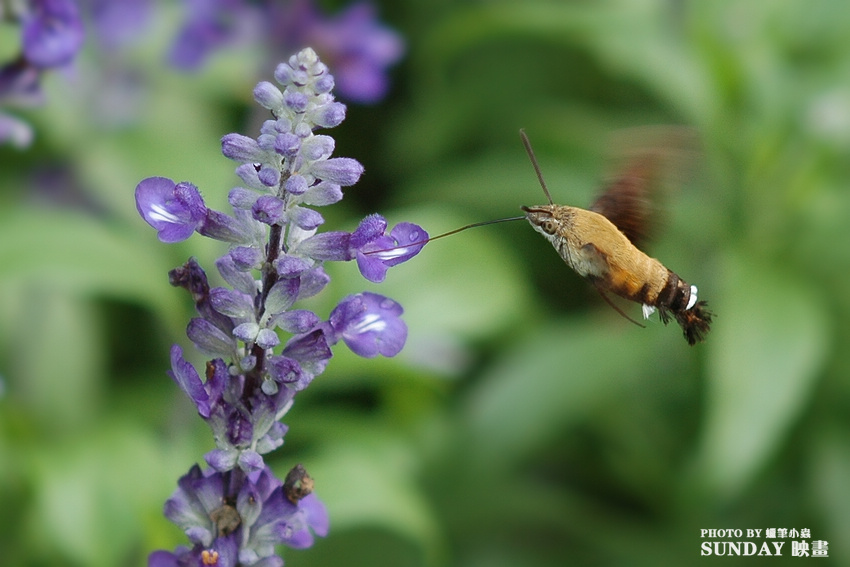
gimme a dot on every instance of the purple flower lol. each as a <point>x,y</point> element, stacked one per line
<point>174,210</point>
<point>118,21</point>
<point>52,33</point>
<point>359,49</point>
<point>211,24</point>
<point>355,43</point>
<point>239,516</point>
<point>369,324</point>
<point>376,252</point>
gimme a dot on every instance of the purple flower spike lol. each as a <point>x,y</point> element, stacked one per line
<point>174,210</point>
<point>369,324</point>
<point>234,512</point>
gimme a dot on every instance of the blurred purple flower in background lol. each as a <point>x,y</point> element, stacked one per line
<point>354,43</point>
<point>53,33</point>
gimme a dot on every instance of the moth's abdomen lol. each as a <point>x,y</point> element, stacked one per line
<point>654,286</point>
<point>679,298</point>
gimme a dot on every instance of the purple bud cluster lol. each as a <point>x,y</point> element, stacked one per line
<point>236,508</point>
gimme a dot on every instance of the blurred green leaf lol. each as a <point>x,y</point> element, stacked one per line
<point>57,366</point>
<point>765,353</point>
<point>829,464</point>
<point>367,481</point>
<point>553,377</point>
<point>80,255</point>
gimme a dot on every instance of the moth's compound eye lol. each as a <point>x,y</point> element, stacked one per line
<point>549,226</point>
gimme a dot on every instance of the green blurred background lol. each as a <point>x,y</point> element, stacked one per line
<point>525,423</point>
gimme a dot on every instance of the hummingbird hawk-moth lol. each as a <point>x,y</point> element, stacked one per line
<point>598,243</point>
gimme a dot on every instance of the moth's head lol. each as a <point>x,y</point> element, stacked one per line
<point>548,220</point>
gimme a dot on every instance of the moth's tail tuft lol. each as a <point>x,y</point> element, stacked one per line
<point>695,322</point>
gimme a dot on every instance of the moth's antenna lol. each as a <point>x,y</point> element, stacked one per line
<point>530,152</point>
<point>449,233</point>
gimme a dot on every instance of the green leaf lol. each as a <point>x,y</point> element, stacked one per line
<point>766,349</point>
<point>554,377</point>
<point>80,254</point>
<point>368,482</point>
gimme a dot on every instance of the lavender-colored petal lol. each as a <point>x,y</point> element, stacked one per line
<point>269,176</point>
<point>317,147</point>
<point>312,282</point>
<point>297,321</point>
<point>231,302</point>
<point>371,267</point>
<point>163,558</point>
<point>300,538</point>
<point>312,352</point>
<point>241,198</point>
<point>274,437</point>
<point>370,324</point>
<point>316,514</point>
<point>220,226</point>
<point>268,96</point>
<point>296,185</point>
<point>237,274</point>
<point>370,228</point>
<point>307,219</point>
<point>283,369</point>
<point>227,548</point>
<point>282,295</point>
<point>287,144</point>
<point>240,431</point>
<point>268,209</point>
<point>241,148</point>
<point>246,258</point>
<point>174,210</point>
<point>246,332</point>
<point>208,338</point>
<point>250,177</point>
<point>288,266</point>
<point>333,246</point>
<point>189,381</point>
<point>328,115</point>
<point>267,339</point>
<point>408,241</point>
<point>295,101</point>
<point>323,193</point>
<point>342,171</point>
<point>249,502</point>
<point>222,460</point>
<point>250,461</point>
